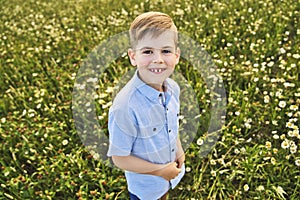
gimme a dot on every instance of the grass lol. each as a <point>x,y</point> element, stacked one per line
<point>254,44</point>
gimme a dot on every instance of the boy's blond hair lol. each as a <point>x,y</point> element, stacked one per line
<point>154,23</point>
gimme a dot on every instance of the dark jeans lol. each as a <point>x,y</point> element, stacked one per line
<point>133,197</point>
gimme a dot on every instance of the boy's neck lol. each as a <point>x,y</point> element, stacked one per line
<point>160,88</point>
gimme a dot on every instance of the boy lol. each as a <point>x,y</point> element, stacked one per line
<point>143,120</point>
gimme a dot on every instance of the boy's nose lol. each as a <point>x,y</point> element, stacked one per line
<point>158,58</point>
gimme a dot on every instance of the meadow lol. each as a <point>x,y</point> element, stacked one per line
<point>254,45</point>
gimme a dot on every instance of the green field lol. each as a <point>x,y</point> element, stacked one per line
<point>254,45</point>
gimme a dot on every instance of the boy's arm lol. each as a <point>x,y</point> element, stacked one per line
<point>134,164</point>
<point>180,156</point>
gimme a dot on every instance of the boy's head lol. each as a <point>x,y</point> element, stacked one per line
<point>153,23</point>
<point>154,50</point>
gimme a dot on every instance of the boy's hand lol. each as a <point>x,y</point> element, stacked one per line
<point>131,163</point>
<point>170,171</point>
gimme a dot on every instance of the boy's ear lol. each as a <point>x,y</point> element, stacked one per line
<point>131,55</point>
<point>177,55</point>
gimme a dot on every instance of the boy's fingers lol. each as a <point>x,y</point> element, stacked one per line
<point>179,165</point>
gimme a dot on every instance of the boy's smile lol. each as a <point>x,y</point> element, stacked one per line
<point>155,58</point>
<point>157,71</point>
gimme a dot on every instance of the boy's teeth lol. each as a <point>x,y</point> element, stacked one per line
<point>156,70</point>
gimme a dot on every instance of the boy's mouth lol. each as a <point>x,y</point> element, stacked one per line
<point>157,70</point>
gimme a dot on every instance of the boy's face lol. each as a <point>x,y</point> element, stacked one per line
<point>155,58</point>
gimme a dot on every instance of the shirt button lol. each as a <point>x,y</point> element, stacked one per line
<point>172,150</point>
<point>169,130</point>
<point>154,129</point>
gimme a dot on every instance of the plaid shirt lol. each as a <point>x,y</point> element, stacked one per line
<point>143,122</point>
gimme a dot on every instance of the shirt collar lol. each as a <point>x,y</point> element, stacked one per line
<point>149,92</point>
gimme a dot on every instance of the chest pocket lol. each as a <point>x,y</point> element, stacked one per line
<point>152,122</point>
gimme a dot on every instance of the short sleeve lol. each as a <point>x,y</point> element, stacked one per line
<point>122,132</point>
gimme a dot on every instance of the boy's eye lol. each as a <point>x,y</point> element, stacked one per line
<point>166,51</point>
<point>147,52</point>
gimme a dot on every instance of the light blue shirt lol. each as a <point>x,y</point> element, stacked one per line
<point>143,122</point>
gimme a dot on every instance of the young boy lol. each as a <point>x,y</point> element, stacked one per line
<point>143,120</point>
